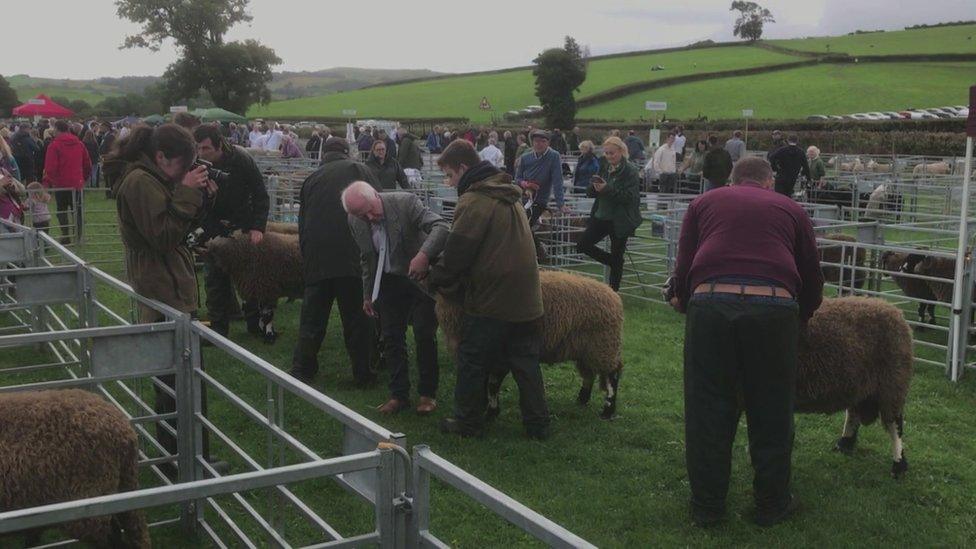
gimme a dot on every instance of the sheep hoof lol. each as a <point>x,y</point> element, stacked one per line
<point>270,337</point>
<point>899,468</point>
<point>845,445</point>
<point>609,412</point>
<point>583,398</point>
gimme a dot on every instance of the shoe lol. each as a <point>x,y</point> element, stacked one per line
<point>426,406</point>
<point>706,518</point>
<point>392,406</point>
<point>772,518</point>
<point>301,375</point>
<point>450,425</point>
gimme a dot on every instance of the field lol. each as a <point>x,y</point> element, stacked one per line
<point>622,483</point>
<point>460,96</point>
<point>798,93</point>
<point>960,39</point>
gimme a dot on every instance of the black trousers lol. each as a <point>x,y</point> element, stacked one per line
<point>356,328</point>
<point>495,346</point>
<point>668,183</point>
<point>222,303</point>
<point>739,347</point>
<point>596,230</point>
<point>68,200</point>
<point>400,303</point>
<point>785,186</point>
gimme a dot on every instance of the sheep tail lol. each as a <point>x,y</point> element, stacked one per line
<point>129,528</point>
<point>867,410</point>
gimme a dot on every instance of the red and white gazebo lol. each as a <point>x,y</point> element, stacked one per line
<point>42,106</point>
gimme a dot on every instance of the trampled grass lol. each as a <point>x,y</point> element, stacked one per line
<point>619,483</point>
<point>957,39</point>
<point>798,93</point>
<point>460,96</point>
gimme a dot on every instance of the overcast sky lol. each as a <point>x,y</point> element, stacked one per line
<point>443,35</point>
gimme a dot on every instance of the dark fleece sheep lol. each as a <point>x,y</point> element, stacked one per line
<point>262,274</point>
<point>910,286</point>
<point>60,446</point>
<point>853,262</point>
<point>583,322</point>
<point>856,355</point>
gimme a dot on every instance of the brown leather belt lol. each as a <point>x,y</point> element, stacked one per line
<point>741,289</point>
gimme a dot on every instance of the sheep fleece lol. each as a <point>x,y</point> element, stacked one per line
<point>262,273</point>
<point>66,445</point>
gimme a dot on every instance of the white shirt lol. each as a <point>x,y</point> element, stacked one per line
<point>273,142</point>
<point>379,240</point>
<point>494,155</point>
<point>664,160</point>
<point>259,141</point>
<point>679,142</point>
<point>253,138</point>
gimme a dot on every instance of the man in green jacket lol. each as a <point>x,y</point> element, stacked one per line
<point>408,153</point>
<point>489,258</point>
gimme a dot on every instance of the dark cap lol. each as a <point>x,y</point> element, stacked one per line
<point>336,144</point>
<point>543,134</point>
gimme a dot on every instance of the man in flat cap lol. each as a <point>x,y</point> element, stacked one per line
<point>541,168</point>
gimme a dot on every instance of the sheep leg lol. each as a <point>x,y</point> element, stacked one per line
<point>610,383</point>
<point>266,324</point>
<point>494,388</point>
<point>896,430</point>
<point>845,444</point>
<point>586,390</point>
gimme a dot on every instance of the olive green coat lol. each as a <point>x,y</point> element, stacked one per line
<point>620,199</point>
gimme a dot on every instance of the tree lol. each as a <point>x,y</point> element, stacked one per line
<point>752,17</point>
<point>8,97</point>
<point>558,73</point>
<point>235,74</point>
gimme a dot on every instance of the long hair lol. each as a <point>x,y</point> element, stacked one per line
<point>171,140</point>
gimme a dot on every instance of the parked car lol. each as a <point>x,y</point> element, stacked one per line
<point>817,117</point>
<point>893,115</point>
<point>837,117</point>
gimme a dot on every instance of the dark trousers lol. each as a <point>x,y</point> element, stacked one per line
<point>668,183</point>
<point>68,200</point>
<point>222,303</point>
<point>785,186</point>
<point>356,328</point>
<point>166,404</point>
<point>400,303</point>
<point>739,347</point>
<point>495,346</point>
<point>596,230</point>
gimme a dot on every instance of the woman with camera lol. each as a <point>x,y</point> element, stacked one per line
<point>616,211</point>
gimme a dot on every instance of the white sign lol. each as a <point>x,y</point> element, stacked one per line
<point>656,105</point>
<point>178,108</point>
<point>654,139</point>
<point>349,112</point>
<point>746,113</point>
<point>35,101</point>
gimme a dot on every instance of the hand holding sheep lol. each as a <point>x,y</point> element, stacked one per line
<point>419,266</point>
<point>256,236</point>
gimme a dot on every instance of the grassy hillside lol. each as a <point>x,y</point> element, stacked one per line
<point>460,96</point>
<point>289,85</point>
<point>91,91</point>
<point>961,39</point>
<point>797,93</point>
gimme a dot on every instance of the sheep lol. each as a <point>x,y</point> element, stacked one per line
<point>877,167</point>
<point>68,445</point>
<point>853,262</point>
<point>281,228</point>
<point>884,198</point>
<point>263,273</point>
<point>936,168</point>
<point>855,166</point>
<point>912,287</point>
<point>856,355</point>
<point>583,322</point>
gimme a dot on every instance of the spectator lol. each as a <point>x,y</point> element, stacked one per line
<point>635,147</point>
<point>558,142</point>
<point>587,166</point>
<point>8,163</point>
<point>11,200</point>
<point>332,271</point>
<point>387,170</point>
<point>66,167</point>
<point>365,142</point>
<point>521,148</point>
<point>818,170</point>
<point>717,165</point>
<point>290,148</point>
<point>391,146</point>
<point>482,141</point>
<point>255,136</point>
<point>434,141</point>
<point>736,147</point>
<point>511,152</point>
<point>390,266</point>
<point>789,161</point>
<point>679,143</point>
<point>491,153</point>
<point>616,211</point>
<point>542,167</point>
<point>314,144</point>
<point>695,162</point>
<point>274,137</point>
<point>666,166</point>
<point>25,150</point>
<point>777,137</point>
<point>91,146</point>
<point>747,275</point>
<point>491,253</point>
<point>408,153</point>
<point>260,142</point>
<point>183,119</point>
<point>37,203</point>
<point>573,140</point>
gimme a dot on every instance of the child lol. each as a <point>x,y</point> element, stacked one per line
<point>37,199</point>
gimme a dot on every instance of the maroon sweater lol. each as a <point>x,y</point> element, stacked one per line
<point>748,231</point>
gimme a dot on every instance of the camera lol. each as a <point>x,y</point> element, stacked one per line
<point>218,176</point>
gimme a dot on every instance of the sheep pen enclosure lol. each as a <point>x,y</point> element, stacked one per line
<point>616,484</point>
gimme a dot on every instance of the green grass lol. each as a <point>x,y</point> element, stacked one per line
<point>90,96</point>
<point>460,96</point>
<point>798,93</point>
<point>620,483</point>
<point>961,39</point>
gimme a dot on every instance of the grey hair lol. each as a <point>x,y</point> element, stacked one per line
<point>360,188</point>
<point>814,150</point>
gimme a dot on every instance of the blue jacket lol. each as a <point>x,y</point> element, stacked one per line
<point>546,171</point>
<point>587,166</point>
<point>433,142</point>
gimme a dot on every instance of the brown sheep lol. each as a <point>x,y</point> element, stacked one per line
<point>911,287</point>
<point>68,445</point>
<point>583,322</point>
<point>856,355</point>
<point>262,274</point>
<point>853,262</point>
<point>935,168</point>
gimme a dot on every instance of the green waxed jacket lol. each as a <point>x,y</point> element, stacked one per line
<point>620,199</point>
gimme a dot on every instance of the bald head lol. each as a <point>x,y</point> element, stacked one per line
<point>361,200</point>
